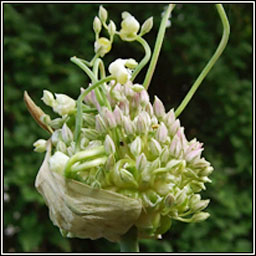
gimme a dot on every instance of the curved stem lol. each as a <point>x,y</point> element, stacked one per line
<point>81,65</point>
<point>214,58</point>
<point>158,46</point>
<point>145,60</point>
<point>129,241</point>
<point>79,119</point>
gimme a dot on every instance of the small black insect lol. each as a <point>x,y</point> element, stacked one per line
<point>121,143</point>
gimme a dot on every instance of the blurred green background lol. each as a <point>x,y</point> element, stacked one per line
<point>39,39</point>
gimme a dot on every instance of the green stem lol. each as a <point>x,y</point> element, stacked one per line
<point>79,120</point>
<point>99,65</point>
<point>158,46</point>
<point>214,58</point>
<point>129,241</point>
<point>145,60</point>
<point>81,65</point>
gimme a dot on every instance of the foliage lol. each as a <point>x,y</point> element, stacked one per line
<point>39,39</point>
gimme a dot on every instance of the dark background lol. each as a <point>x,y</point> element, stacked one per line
<point>39,39</point>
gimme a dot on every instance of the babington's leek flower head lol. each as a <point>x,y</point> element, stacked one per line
<point>114,160</point>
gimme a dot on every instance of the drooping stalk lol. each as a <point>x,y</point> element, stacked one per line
<point>129,241</point>
<point>214,58</point>
<point>145,60</point>
<point>158,45</point>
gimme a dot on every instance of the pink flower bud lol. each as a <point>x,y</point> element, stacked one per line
<point>108,117</point>
<point>141,162</point>
<point>158,107</point>
<point>162,133</point>
<point>118,115</point>
<point>109,145</point>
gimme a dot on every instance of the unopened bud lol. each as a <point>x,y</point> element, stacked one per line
<point>90,133</point>
<point>200,216</point>
<point>155,147</point>
<point>64,104</point>
<point>128,125</point>
<point>108,117</point>
<point>158,107</point>
<point>48,98</point>
<point>111,28</point>
<point>136,146</point>
<point>66,134</point>
<point>109,145</point>
<point>58,161</point>
<point>118,115</point>
<point>40,146</point>
<point>61,146</point>
<point>141,162</point>
<point>97,25</point>
<point>132,64</point>
<point>162,133</point>
<point>102,46</point>
<point>100,125</point>
<point>103,14</point>
<point>146,26</point>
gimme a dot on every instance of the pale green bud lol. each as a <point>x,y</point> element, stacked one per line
<point>100,125</point>
<point>66,134</point>
<point>141,162</point>
<point>103,14</point>
<point>132,64</point>
<point>118,115</point>
<point>56,136</point>
<point>109,145</point>
<point>90,133</point>
<point>97,25</point>
<point>40,146</point>
<point>169,200</point>
<point>48,98</point>
<point>58,161</point>
<point>197,186</point>
<point>194,200</point>
<point>102,46</point>
<point>136,146</point>
<point>200,205</point>
<point>56,123</point>
<point>155,147</point>
<point>88,119</point>
<point>138,88</point>
<point>164,156</point>
<point>64,104</point>
<point>181,196</point>
<point>122,177</point>
<point>84,143</point>
<point>206,171</point>
<point>61,146</point>
<point>147,26</point>
<point>111,28</point>
<point>200,216</point>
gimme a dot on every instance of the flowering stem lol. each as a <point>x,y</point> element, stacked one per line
<point>214,58</point>
<point>81,65</point>
<point>129,241</point>
<point>145,60</point>
<point>79,119</point>
<point>158,45</point>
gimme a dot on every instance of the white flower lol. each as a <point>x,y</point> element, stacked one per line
<point>119,71</point>
<point>40,146</point>
<point>64,104</point>
<point>48,98</point>
<point>102,46</point>
<point>58,161</point>
<point>130,27</point>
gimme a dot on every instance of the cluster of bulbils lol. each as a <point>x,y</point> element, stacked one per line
<point>130,147</point>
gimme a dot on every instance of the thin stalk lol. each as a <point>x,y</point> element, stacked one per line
<point>158,46</point>
<point>79,120</point>
<point>129,241</point>
<point>145,60</point>
<point>82,65</point>
<point>214,58</point>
